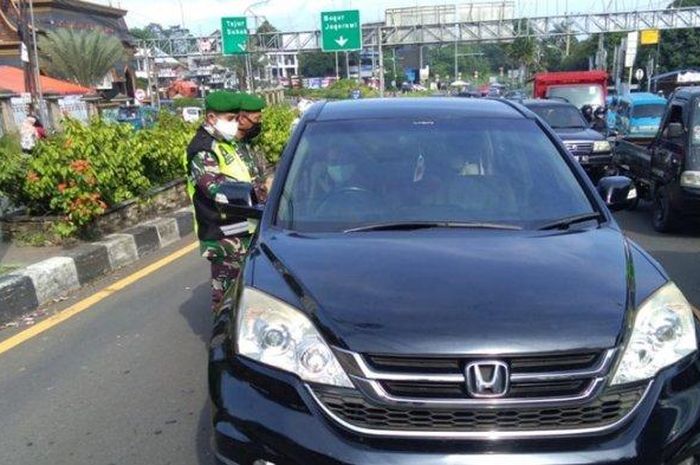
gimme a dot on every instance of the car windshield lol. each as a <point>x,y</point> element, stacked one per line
<point>350,174</point>
<point>648,111</point>
<point>578,95</point>
<point>560,116</point>
<point>693,161</point>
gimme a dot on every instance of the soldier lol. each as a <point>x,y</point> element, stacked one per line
<point>212,160</point>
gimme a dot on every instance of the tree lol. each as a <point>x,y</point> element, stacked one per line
<point>141,33</point>
<point>679,48</point>
<point>523,51</point>
<point>316,64</point>
<point>84,57</point>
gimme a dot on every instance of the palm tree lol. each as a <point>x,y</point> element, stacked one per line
<point>84,57</point>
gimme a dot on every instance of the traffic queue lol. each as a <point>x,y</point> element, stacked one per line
<point>653,141</point>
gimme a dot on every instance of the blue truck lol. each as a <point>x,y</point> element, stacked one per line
<point>636,115</point>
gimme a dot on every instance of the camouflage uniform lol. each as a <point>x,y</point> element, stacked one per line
<point>225,254</point>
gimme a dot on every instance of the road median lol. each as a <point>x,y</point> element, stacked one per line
<point>25,289</point>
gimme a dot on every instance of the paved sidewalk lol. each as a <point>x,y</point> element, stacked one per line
<point>13,255</point>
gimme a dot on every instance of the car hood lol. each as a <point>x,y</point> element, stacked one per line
<point>454,291</point>
<point>578,134</point>
<point>650,125</point>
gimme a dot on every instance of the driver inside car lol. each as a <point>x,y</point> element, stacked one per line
<point>344,183</point>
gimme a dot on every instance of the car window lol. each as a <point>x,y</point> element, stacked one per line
<point>649,111</point>
<point>578,95</point>
<point>674,115</point>
<point>560,116</point>
<point>348,174</point>
<point>693,161</point>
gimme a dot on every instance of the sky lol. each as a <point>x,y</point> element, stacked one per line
<point>203,16</point>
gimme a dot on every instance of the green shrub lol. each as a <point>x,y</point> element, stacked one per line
<point>187,102</point>
<point>339,90</point>
<point>85,169</point>
<point>276,129</point>
<point>15,165</point>
<point>163,147</point>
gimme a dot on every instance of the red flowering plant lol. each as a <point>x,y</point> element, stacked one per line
<point>84,169</point>
<point>79,172</point>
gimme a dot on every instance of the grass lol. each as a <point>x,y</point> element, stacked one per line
<point>7,268</point>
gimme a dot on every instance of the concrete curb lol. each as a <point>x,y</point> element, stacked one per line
<point>26,289</point>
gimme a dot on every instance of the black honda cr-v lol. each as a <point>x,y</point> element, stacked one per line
<point>437,282</point>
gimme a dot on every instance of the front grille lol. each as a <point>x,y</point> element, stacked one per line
<point>524,363</point>
<point>352,408</point>
<point>520,388</point>
<point>579,148</point>
<point>457,390</point>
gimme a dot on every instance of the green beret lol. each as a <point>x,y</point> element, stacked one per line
<point>222,101</point>
<point>251,103</point>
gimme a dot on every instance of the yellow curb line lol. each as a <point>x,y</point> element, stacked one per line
<point>88,302</point>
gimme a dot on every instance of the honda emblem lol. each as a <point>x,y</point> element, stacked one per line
<point>487,379</point>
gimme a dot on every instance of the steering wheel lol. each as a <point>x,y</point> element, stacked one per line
<point>349,200</point>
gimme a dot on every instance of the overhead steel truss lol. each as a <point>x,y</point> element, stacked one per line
<point>463,32</point>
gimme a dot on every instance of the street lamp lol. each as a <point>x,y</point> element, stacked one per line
<point>249,64</point>
<point>252,13</point>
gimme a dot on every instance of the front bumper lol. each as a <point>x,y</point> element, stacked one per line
<point>595,160</point>
<point>260,413</point>
<point>685,200</point>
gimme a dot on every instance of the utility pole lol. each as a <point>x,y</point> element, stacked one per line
<point>27,35</point>
<point>35,70</point>
<point>347,65</point>
<point>337,66</point>
<point>381,62</point>
<point>456,56</point>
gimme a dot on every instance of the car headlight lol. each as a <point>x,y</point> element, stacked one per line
<point>663,333</point>
<point>274,333</point>
<point>690,179</point>
<point>601,146</point>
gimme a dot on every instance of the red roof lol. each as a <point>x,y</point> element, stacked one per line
<point>12,81</point>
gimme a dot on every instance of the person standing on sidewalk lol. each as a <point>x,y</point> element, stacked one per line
<point>213,160</point>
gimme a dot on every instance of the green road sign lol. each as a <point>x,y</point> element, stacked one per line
<point>234,35</point>
<point>341,31</point>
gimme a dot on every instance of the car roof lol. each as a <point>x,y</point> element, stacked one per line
<point>543,102</point>
<point>687,92</point>
<point>427,107</point>
<point>639,98</point>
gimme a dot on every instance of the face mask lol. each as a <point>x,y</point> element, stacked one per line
<point>340,173</point>
<point>227,129</point>
<point>253,132</point>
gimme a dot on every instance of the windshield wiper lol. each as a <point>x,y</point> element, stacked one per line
<point>564,223</point>
<point>412,225</point>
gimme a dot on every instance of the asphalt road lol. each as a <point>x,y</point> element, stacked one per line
<point>679,253</point>
<point>124,382</point>
<point>121,383</point>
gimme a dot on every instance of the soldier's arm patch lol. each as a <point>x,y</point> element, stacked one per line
<point>206,173</point>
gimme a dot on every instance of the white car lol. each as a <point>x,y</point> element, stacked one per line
<point>191,114</point>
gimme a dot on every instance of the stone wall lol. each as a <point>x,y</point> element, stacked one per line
<point>157,202</point>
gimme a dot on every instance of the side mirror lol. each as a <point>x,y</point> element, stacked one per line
<point>618,192</point>
<point>241,200</point>
<point>674,130</point>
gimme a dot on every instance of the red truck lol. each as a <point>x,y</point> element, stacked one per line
<point>577,87</point>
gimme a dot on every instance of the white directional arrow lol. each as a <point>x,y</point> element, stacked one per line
<point>242,47</point>
<point>341,41</point>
